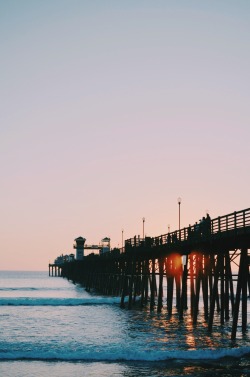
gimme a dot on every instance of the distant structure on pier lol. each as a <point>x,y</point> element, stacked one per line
<point>64,258</point>
<point>103,247</point>
<point>79,246</point>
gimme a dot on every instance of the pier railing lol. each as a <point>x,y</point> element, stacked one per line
<point>204,230</point>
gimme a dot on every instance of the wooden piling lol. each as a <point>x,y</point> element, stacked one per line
<point>237,299</point>
<point>183,303</point>
<point>160,293</point>
<point>152,286</point>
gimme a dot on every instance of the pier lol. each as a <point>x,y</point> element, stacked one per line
<point>210,259</point>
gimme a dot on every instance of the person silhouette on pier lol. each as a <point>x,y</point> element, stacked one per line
<point>190,233</point>
<point>202,226</point>
<point>207,225</point>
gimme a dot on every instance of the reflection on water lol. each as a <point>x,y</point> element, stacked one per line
<point>183,335</point>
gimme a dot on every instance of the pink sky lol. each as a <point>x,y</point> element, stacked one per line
<point>112,110</point>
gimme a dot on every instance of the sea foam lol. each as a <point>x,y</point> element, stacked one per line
<point>129,355</point>
<point>43,301</point>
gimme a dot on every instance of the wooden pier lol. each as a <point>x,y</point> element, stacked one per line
<point>205,259</point>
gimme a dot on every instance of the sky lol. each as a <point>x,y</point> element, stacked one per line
<point>111,110</point>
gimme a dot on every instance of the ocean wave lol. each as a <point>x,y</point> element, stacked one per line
<point>6,289</point>
<point>130,355</point>
<point>19,289</point>
<point>49,301</point>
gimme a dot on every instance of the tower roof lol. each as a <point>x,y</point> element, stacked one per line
<point>106,239</point>
<point>80,239</point>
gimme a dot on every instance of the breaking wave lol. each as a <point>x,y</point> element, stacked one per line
<point>129,355</point>
<point>44,301</point>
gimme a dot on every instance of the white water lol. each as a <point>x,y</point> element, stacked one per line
<point>49,301</point>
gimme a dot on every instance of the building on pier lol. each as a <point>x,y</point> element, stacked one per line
<point>79,246</point>
<point>59,260</point>
<point>105,247</point>
<point>64,258</point>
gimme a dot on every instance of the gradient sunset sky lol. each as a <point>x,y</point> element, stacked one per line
<point>111,110</point>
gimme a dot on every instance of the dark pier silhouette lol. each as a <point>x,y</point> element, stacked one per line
<point>206,258</point>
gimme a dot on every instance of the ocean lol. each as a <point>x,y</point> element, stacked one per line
<point>51,327</point>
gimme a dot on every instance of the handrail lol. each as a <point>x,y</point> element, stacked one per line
<point>206,228</point>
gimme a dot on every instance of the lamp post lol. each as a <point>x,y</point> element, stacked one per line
<point>179,203</point>
<point>122,238</point>
<point>143,221</point>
